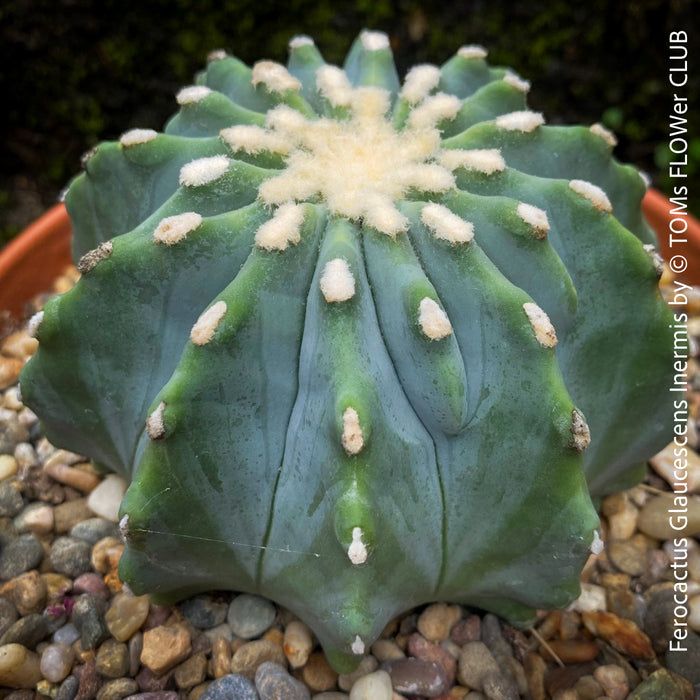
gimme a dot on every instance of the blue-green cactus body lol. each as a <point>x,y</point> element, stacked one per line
<point>330,326</point>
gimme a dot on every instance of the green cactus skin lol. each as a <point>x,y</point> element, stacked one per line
<point>316,330</point>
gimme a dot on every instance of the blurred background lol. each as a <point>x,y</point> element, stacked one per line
<point>75,72</point>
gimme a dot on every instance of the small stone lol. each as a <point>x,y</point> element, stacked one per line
<point>106,554</point>
<point>250,655</point>
<point>592,598</point>
<point>191,672</point>
<point>165,647</point>
<point>535,668</point>
<point>70,557</point>
<point>436,621</point>
<point>417,677</point>
<point>19,555</point>
<point>56,661</point>
<point>220,657</point>
<point>68,689</point>
<point>623,635</point>
<point>297,643</point>
<point>368,665</point>
<point>613,680</point>
<point>250,615</point>
<point>27,631</point>
<point>19,667</point>
<point>622,516</point>
<point>36,518</point>
<point>222,631</point>
<point>91,583</point>
<point>588,688</point>
<point>655,520</point>
<point>12,432</point>
<point>274,683</point>
<point>106,498</point>
<point>79,479</point>
<point>466,630</point>
<point>57,586</point>
<point>570,651</point>
<point>135,648</point>
<point>424,650</point>
<point>498,686</point>
<point>204,611</point>
<point>331,695</point>
<point>694,613</point>
<point>19,345</point>
<point>94,529</point>
<point>10,367</point>
<point>230,687</point>
<point>386,650</point>
<point>126,614</point>
<point>27,592</point>
<point>67,515</point>
<point>88,618</point>
<point>628,556</point>
<point>665,464</point>
<point>318,674</point>
<point>118,689</point>
<point>375,686</point>
<point>112,659</point>
<point>8,614</point>
<point>475,662</point>
<point>66,634</point>
<point>661,685</point>
<point>11,501</point>
<point>686,660</point>
<point>155,695</point>
<point>8,466</point>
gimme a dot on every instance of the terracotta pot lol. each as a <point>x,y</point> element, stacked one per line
<point>30,263</point>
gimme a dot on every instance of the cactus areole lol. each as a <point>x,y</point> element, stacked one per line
<point>346,335</point>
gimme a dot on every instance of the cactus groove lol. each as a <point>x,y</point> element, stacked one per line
<point>346,335</point>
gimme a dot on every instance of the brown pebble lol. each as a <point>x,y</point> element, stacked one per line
<point>436,621</point>
<point>297,643</point>
<point>561,678</point>
<point>27,592</point>
<point>57,585</point>
<point>570,651</point>
<point>74,477</point>
<point>165,647</point>
<point>10,367</point>
<point>623,635</point>
<point>275,636</point>
<point>112,659</point>
<point>220,658</point>
<point>588,688</point>
<point>613,680</point>
<point>67,515</point>
<point>106,554</point>
<point>249,656</point>
<point>198,691</point>
<point>466,630</point>
<point>422,649</point>
<point>535,668</point>
<point>318,674</point>
<point>191,672</point>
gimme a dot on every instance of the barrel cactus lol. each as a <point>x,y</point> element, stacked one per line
<point>346,336</point>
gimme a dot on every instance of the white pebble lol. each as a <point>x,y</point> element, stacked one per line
<point>56,662</point>
<point>374,686</point>
<point>106,498</point>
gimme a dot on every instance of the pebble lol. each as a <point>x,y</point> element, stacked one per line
<point>88,618</point>
<point>422,649</point>
<point>375,686</point>
<point>222,631</point>
<point>80,479</point>
<point>663,464</point>
<point>629,556</point>
<point>68,689</point>
<point>250,655</point>
<point>249,616</point>
<point>367,665</point>
<point>8,466</point>
<point>623,635</point>
<point>436,621</point>
<point>135,648</point>
<point>659,685</point>
<point>12,432</point>
<point>11,501</point>
<point>94,529</point>
<point>27,592</point>
<point>106,553</point>
<point>19,555</point>
<point>67,634</point>
<point>417,677</point>
<point>106,498</point>
<point>67,515</point>
<point>331,695</point>
<point>570,651</point>
<point>191,672</point>
<point>588,688</point>
<point>498,686</point>
<point>118,689</point>
<point>466,630</point>
<point>654,517</point>
<point>126,614</point>
<point>19,667</point>
<point>91,583</point>
<point>274,683</point>
<point>165,647</point>
<point>8,614</point>
<point>112,659</point>
<point>613,680</point>
<point>70,557</point>
<point>686,663</point>
<point>220,657</point>
<point>621,515</point>
<point>36,518</point>
<point>230,687</point>
<point>204,611</point>
<point>297,643</point>
<point>56,661</point>
<point>387,649</point>
<point>27,631</point>
<point>318,674</point>
<point>475,663</point>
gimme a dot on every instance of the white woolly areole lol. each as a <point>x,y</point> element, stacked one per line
<point>472,51</point>
<point>541,325</point>
<point>419,81</point>
<point>353,439</point>
<point>124,527</point>
<point>192,93</point>
<point>446,225</point>
<point>433,320</point>
<point>358,646</point>
<point>656,259</point>
<point>524,121</point>
<point>205,327</point>
<point>282,229</point>
<point>357,553</point>
<point>605,134</point>
<point>580,432</point>
<point>337,282</point>
<point>92,257</point>
<point>275,76</point>
<point>173,229</point>
<point>482,160</point>
<point>203,171</point>
<point>597,546</point>
<point>516,81</point>
<point>374,41</point>
<point>535,217</point>
<point>137,136</point>
<point>155,425</point>
<point>216,55</point>
<point>592,193</point>
<point>334,84</point>
<point>34,323</point>
<point>434,109</point>
<point>296,42</point>
<point>253,139</point>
